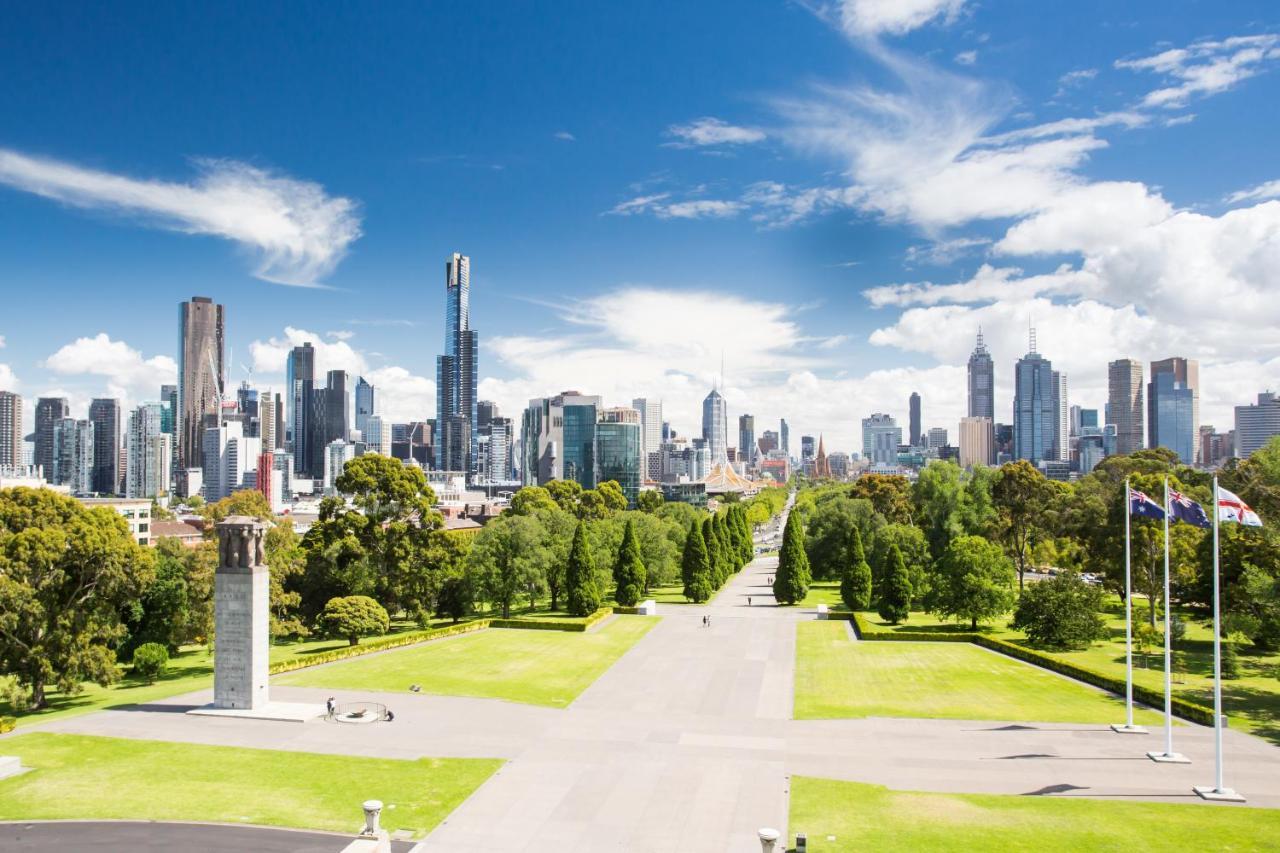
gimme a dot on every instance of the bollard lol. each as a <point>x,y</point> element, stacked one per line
<point>372,811</point>
<point>768,838</point>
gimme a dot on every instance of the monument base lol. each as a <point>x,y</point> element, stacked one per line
<point>1120,728</point>
<point>285,712</point>
<point>1222,795</point>
<point>1169,757</point>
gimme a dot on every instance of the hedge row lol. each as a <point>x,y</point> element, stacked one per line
<point>552,624</point>
<point>409,638</point>
<point>1192,711</point>
<point>8,724</point>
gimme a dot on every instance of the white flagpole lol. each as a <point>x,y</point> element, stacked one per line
<point>1218,791</point>
<point>1168,756</point>
<point>1128,727</point>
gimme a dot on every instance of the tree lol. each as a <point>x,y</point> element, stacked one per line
<point>660,542</point>
<point>582,594</point>
<point>611,494</point>
<point>531,500</point>
<point>791,581</point>
<point>353,617</point>
<point>67,572</point>
<point>150,660</point>
<point>1021,495</point>
<point>1230,667</point>
<point>974,581</point>
<point>855,575</point>
<point>1061,613</point>
<point>508,558</point>
<point>895,595</point>
<point>286,561</point>
<point>695,566</point>
<point>745,540</point>
<point>628,571</point>
<point>567,493</point>
<point>160,613</point>
<point>649,500</point>
<point>250,502</point>
<point>911,545</point>
<point>714,552</point>
<point>455,597</point>
<point>828,538</point>
<point>558,527</point>
<point>890,495</point>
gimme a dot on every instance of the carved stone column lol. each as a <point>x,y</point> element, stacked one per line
<point>242,599</point>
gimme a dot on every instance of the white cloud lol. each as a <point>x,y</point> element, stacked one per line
<point>712,131</point>
<point>943,252</point>
<point>987,284</point>
<point>966,57</point>
<point>895,17</point>
<point>1204,67</point>
<point>565,136</point>
<point>127,373</point>
<point>660,206</point>
<point>271,356</point>
<point>1270,189</point>
<point>1086,219</point>
<point>8,379</point>
<point>298,232</point>
<point>402,396</point>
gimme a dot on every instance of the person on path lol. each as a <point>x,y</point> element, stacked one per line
<point>330,706</point>
<point>390,716</point>
<point>748,601</point>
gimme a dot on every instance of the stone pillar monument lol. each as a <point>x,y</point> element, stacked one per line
<point>242,598</point>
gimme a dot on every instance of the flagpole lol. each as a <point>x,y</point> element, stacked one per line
<point>1128,727</point>
<point>1218,791</point>
<point>1168,756</point>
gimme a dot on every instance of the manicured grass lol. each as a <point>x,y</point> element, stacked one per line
<point>837,677</point>
<point>537,667</point>
<point>668,594</point>
<point>84,777</point>
<point>871,817</point>
<point>822,592</point>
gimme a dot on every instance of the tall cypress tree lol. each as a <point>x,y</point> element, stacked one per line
<point>895,598</point>
<point>855,575</point>
<point>728,549</point>
<point>695,565</point>
<point>791,581</point>
<point>628,571</point>
<point>713,551</point>
<point>580,576</point>
<point>744,531</point>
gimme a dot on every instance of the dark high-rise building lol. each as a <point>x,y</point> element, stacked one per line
<point>982,382</point>
<point>104,413</point>
<point>1035,415</point>
<point>200,374</point>
<point>364,406</point>
<point>807,448</point>
<point>1125,406</point>
<point>1173,407</point>
<point>300,376</point>
<point>11,435</point>
<point>49,410</point>
<point>337,406</point>
<point>913,405</point>
<point>747,439</point>
<point>456,372</point>
<point>784,438</point>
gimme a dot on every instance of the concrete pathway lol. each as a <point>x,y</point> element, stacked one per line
<point>687,743</point>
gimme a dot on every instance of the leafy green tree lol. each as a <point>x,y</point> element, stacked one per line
<point>558,527</point>
<point>1021,496</point>
<point>745,539</point>
<point>828,540</point>
<point>911,545</point>
<point>456,596</point>
<point>353,617</point>
<point>649,500</point>
<point>66,574</point>
<point>250,502</point>
<point>894,604</point>
<point>791,581</point>
<point>855,575</point>
<point>628,571</point>
<point>567,493</point>
<point>714,552</point>
<point>583,594</point>
<point>615,500</point>
<point>531,500</point>
<point>1230,667</point>
<point>974,581</point>
<point>1250,582</point>
<point>729,550</point>
<point>695,566</point>
<point>150,660</point>
<point>1061,613</point>
<point>660,542</point>
<point>890,495</point>
<point>507,559</point>
<point>161,613</point>
<point>680,513</point>
<point>286,560</point>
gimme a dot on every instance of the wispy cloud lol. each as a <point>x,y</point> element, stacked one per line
<point>895,17</point>
<point>299,232</point>
<point>711,131</point>
<point>966,57</point>
<point>942,252</point>
<point>1271,189</point>
<point>565,136</point>
<point>660,205</point>
<point>1204,67</point>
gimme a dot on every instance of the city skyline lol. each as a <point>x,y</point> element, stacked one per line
<point>858,289</point>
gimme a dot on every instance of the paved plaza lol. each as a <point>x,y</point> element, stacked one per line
<point>687,743</point>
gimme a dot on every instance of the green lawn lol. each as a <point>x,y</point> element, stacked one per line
<point>837,677</point>
<point>81,777</point>
<point>668,594</point>
<point>538,667</point>
<point>822,592</point>
<point>871,817</point>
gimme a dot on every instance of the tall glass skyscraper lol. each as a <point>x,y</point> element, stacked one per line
<point>1173,407</point>
<point>300,378</point>
<point>982,372</point>
<point>618,450</point>
<point>747,450</point>
<point>364,404</point>
<point>1125,404</point>
<point>200,374</point>
<point>456,373</point>
<point>715,428</point>
<point>104,412</point>
<point>1035,413</point>
<point>913,418</point>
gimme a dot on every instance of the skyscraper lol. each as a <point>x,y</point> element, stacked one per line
<point>977,442</point>
<point>364,404</point>
<point>747,449</point>
<point>715,427</point>
<point>982,372</point>
<point>200,374</point>
<point>105,415</point>
<point>913,405</point>
<point>338,406</point>
<point>1035,417</point>
<point>808,447</point>
<point>300,376</point>
<point>11,436</point>
<point>557,439</point>
<point>456,372</point>
<point>881,437</point>
<point>141,465</point>
<point>73,455</point>
<point>269,426</point>
<point>1255,425</point>
<point>784,438</point>
<point>618,450</point>
<point>650,436</point>
<point>1173,407</point>
<point>1061,418</point>
<point>1125,403</point>
<point>49,410</point>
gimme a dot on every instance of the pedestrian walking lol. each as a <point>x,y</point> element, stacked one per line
<point>748,601</point>
<point>330,706</point>
<point>390,716</point>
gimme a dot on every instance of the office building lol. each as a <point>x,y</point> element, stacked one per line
<point>1062,418</point>
<point>230,460</point>
<point>977,442</point>
<point>1125,406</point>
<point>936,438</point>
<point>142,477</point>
<point>457,372</point>
<point>747,450</point>
<point>248,409</point>
<point>339,406</point>
<point>807,448</point>
<point>11,435</point>
<point>1173,407</point>
<point>377,437</point>
<point>715,427</point>
<point>496,444</point>
<point>105,415</point>
<point>201,374</point>
<point>337,454</point>
<point>913,418</point>
<point>840,464</point>
<point>982,382</point>
<point>1035,416</point>
<point>73,455</point>
<point>651,437</point>
<point>768,442</point>
<point>1216,447</point>
<point>557,439</point>
<point>300,375</point>
<point>363,404</point>
<point>784,438</point>
<point>49,410</point>
<point>618,444</point>
<point>269,406</point>
<point>881,438</point>
<point>1256,424</point>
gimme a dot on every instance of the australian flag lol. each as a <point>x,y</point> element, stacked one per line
<point>1182,508</point>
<point>1140,504</point>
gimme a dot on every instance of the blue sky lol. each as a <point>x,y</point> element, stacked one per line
<point>834,196</point>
